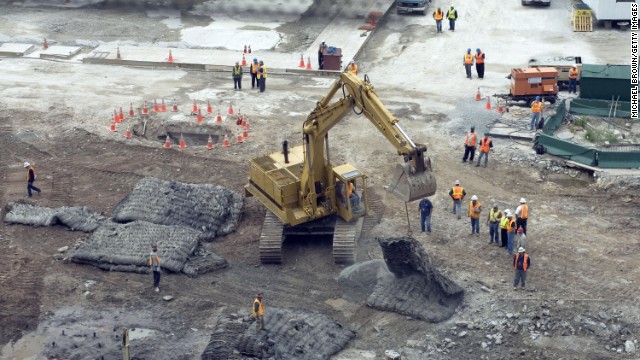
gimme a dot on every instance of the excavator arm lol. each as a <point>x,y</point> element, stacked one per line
<point>413,179</point>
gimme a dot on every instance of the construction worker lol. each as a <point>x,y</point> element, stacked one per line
<point>479,58</point>
<point>31,177</point>
<point>522,214</point>
<point>493,220</point>
<point>536,109</point>
<point>237,76</point>
<point>457,193</point>
<point>511,232</point>
<point>521,241</point>
<point>254,73</point>
<point>452,15</point>
<point>321,49</point>
<point>470,145</point>
<point>573,79</point>
<point>438,15</point>
<point>257,311</point>
<point>467,61</point>
<point>352,67</point>
<point>504,235</point>
<point>475,208</point>
<point>262,76</point>
<point>521,262</point>
<point>485,147</point>
<point>154,263</point>
<point>425,214</point>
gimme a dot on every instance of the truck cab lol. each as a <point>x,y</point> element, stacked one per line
<point>412,6</point>
<point>535,2</point>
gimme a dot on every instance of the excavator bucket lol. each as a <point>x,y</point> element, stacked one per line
<point>409,185</point>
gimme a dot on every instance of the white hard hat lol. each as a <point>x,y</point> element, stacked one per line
<point>509,214</point>
<point>351,62</point>
<point>474,197</point>
<point>506,211</point>
<point>457,182</point>
<point>523,200</point>
<point>521,250</point>
<point>27,164</point>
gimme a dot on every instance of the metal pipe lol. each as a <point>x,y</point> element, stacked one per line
<point>326,139</point>
<point>405,135</point>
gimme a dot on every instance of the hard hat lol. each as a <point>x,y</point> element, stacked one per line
<point>478,50</point>
<point>457,181</point>
<point>473,198</point>
<point>237,62</point>
<point>261,62</point>
<point>323,41</point>
<point>469,49</point>
<point>573,66</point>
<point>495,206</point>
<point>520,230</point>
<point>351,62</point>
<point>521,250</point>
<point>27,164</point>
<point>509,214</point>
<point>506,211</point>
<point>538,98</point>
<point>255,59</point>
<point>523,200</point>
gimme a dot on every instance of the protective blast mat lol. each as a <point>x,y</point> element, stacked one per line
<point>126,247</point>
<point>289,334</point>
<point>76,218</point>
<point>418,289</point>
<point>212,209</point>
<point>203,261</point>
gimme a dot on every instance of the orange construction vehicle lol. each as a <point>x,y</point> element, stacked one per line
<point>528,83</point>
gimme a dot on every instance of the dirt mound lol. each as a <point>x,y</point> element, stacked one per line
<point>125,247</point>
<point>290,334</point>
<point>211,209</point>
<point>76,218</point>
<point>418,289</point>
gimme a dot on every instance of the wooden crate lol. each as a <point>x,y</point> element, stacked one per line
<point>582,20</point>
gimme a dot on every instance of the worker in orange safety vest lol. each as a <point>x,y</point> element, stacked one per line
<point>254,73</point>
<point>573,79</point>
<point>467,61</point>
<point>521,262</point>
<point>352,67</point>
<point>31,177</point>
<point>470,145</point>
<point>522,214</point>
<point>457,193</point>
<point>536,109</point>
<point>475,208</point>
<point>485,147</point>
<point>257,311</point>
<point>479,57</point>
<point>154,263</point>
<point>438,15</point>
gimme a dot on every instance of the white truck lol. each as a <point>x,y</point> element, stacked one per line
<point>535,2</point>
<point>412,6</point>
<point>610,11</point>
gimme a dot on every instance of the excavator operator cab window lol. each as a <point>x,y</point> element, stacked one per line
<point>349,193</point>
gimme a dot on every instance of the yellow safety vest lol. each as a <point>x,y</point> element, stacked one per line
<point>503,222</point>
<point>260,308</point>
<point>493,215</point>
<point>468,58</point>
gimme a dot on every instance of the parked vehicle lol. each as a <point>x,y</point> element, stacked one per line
<point>528,83</point>
<point>412,6</point>
<point>562,64</point>
<point>610,11</point>
<point>535,2</point>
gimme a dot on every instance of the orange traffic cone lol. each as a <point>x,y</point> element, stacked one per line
<point>145,110</point>
<point>249,49</point>
<point>195,107</point>
<point>230,112</point>
<point>245,133</point>
<point>182,144</point>
<point>112,128</point>
<point>240,138</point>
<point>131,112</point>
<point>500,108</point>
<point>199,118</point>
<point>488,105</point>
<point>301,64</point>
<point>225,143</point>
<point>478,96</point>
<point>46,44</point>
<point>163,107</point>
<point>244,61</point>
<point>170,57</point>
<point>174,108</point>
<point>245,49</point>
<point>118,57</point>
<point>121,114</point>
<point>309,63</point>
<point>209,108</point>
<point>167,142</point>
<point>219,117</point>
<point>156,107</point>
<point>127,133</point>
<point>116,117</point>
<point>210,143</point>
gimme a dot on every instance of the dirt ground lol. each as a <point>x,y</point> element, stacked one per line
<point>582,295</point>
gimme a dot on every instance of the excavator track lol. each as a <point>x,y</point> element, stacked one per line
<point>344,241</point>
<point>271,239</point>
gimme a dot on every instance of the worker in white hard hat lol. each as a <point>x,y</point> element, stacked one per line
<point>31,177</point>
<point>522,214</point>
<point>511,232</point>
<point>521,263</point>
<point>504,236</point>
<point>352,67</point>
<point>475,208</point>
<point>321,50</point>
<point>457,193</point>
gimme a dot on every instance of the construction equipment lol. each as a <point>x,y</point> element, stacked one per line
<point>528,83</point>
<point>562,63</point>
<point>303,189</point>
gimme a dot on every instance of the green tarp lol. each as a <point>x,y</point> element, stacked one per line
<point>603,108</point>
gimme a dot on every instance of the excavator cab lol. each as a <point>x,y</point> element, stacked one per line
<point>351,192</point>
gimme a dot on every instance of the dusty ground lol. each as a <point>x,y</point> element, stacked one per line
<point>582,240</point>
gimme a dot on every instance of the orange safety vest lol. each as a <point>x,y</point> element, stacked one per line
<point>473,214</point>
<point>524,211</point>
<point>34,172</point>
<point>349,189</point>
<point>471,141</point>
<point>438,15</point>
<point>511,225</point>
<point>457,192</point>
<point>484,144</point>
<point>479,58</point>
<point>468,58</point>
<point>353,68</point>
<point>151,261</point>
<point>254,68</point>
<point>536,106</point>
<point>573,74</point>
<point>260,308</point>
<point>524,263</point>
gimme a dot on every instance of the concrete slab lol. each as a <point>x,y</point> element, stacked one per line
<point>510,132</point>
<point>14,49</point>
<point>60,52</point>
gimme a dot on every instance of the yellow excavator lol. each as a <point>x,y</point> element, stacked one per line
<point>301,185</point>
